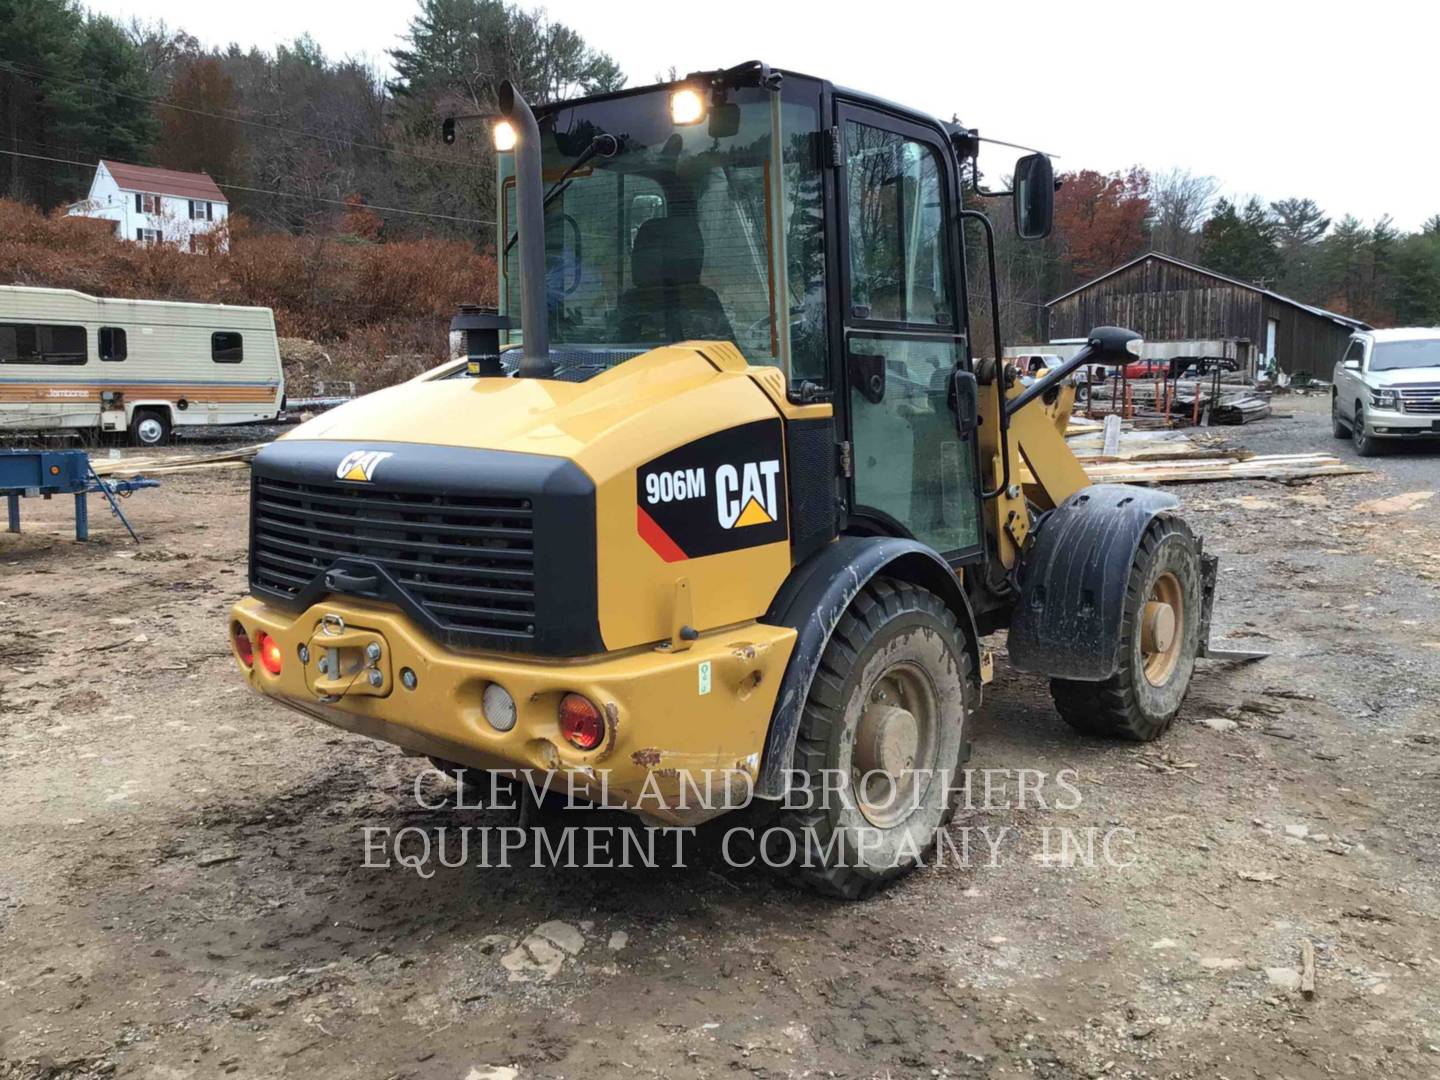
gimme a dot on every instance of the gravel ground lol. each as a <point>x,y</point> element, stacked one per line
<point>183,890</point>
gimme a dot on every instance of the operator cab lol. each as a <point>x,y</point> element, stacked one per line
<point>817,229</point>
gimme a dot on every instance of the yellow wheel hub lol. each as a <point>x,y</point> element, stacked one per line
<point>1161,622</point>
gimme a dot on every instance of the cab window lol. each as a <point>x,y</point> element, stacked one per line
<point>899,261</point>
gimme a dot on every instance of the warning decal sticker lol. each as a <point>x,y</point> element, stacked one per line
<point>720,493</point>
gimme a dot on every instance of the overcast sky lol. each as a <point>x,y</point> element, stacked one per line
<point>1319,99</point>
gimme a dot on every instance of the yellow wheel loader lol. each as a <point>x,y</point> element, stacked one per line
<point>721,490</point>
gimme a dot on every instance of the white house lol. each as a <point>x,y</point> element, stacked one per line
<point>152,206</point>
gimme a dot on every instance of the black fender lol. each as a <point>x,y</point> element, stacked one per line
<point>1072,581</point>
<point>813,598</point>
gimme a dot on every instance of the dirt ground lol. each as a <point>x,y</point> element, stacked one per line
<point>183,890</point>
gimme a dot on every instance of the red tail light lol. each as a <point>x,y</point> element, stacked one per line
<point>270,656</point>
<point>243,648</point>
<point>580,722</point>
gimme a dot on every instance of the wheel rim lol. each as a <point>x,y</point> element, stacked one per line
<point>1162,626</point>
<point>893,754</point>
<point>149,430</point>
<point>1359,432</point>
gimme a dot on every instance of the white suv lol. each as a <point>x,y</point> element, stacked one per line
<point>1387,386</point>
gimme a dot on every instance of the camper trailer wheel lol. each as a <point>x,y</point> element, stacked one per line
<point>150,427</point>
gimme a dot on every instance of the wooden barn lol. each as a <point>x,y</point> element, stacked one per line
<point>1186,311</point>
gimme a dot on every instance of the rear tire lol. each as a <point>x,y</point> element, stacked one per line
<point>1140,701</point>
<point>1336,424</point>
<point>885,724</point>
<point>149,427</point>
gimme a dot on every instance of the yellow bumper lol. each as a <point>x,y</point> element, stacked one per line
<point>702,712</point>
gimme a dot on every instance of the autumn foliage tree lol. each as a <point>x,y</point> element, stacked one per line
<point>1101,219</point>
<point>190,140</point>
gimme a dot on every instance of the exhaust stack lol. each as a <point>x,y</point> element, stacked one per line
<point>530,226</point>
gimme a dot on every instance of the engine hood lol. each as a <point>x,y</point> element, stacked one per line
<point>1404,377</point>
<point>633,402</point>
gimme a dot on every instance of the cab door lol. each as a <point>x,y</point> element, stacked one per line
<point>912,473</point>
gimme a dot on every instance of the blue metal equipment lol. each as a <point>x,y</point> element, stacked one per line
<point>61,472</point>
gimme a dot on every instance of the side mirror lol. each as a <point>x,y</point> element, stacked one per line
<point>1034,197</point>
<point>1352,365</point>
<point>965,400</point>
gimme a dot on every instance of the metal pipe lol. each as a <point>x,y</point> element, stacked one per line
<point>530,227</point>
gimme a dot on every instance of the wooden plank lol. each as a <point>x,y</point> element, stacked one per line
<point>1259,467</point>
<point>132,466</point>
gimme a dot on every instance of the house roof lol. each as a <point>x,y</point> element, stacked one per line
<point>184,185</point>
<point>1343,320</point>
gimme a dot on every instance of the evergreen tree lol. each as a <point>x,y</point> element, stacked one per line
<point>465,48</point>
<point>39,113</point>
<point>1299,225</point>
<point>117,120</point>
<point>65,86</point>
<point>1241,243</point>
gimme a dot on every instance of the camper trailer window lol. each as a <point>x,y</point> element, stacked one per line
<point>112,343</point>
<point>226,347</point>
<point>28,343</point>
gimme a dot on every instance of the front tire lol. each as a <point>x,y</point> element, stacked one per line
<point>1365,443</point>
<point>1159,639</point>
<point>880,747</point>
<point>149,427</point>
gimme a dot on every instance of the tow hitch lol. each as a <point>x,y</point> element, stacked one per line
<point>341,660</point>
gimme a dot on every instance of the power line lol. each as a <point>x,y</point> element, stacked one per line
<point>280,194</point>
<point>36,73</point>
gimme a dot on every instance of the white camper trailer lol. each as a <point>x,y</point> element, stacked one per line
<point>71,362</point>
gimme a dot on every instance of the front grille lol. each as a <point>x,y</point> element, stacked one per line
<point>1421,399</point>
<point>469,562</point>
<point>481,549</point>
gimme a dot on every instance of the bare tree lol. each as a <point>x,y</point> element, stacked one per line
<point>1180,202</point>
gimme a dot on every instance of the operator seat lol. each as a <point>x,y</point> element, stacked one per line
<point>667,301</point>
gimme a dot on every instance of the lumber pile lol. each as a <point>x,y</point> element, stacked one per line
<point>1177,401</point>
<point>1240,410</point>
<point>1192,456</point>
<point>1211,466</point>
<point>177,463</point>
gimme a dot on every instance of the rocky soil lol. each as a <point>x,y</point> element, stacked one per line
<point>183,890</point>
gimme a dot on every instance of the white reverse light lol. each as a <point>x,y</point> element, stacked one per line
<point>499,707</point>
<point>504,136</point>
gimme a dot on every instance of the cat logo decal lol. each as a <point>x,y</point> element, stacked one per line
<point>360,465</point>
<point>721,493</point>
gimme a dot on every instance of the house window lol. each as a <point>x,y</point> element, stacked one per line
<point>148,236</point>
<point>226,347</point>
<point>112,343</point>
<point>31,343</point>
<point>147,204</point>
<point>200,210</point>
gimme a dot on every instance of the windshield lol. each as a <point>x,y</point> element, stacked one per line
<point>1389,355</point>
<point>710,230</point>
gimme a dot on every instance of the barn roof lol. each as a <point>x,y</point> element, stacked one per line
<point>1343,320</point>
<point>184,185</point>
